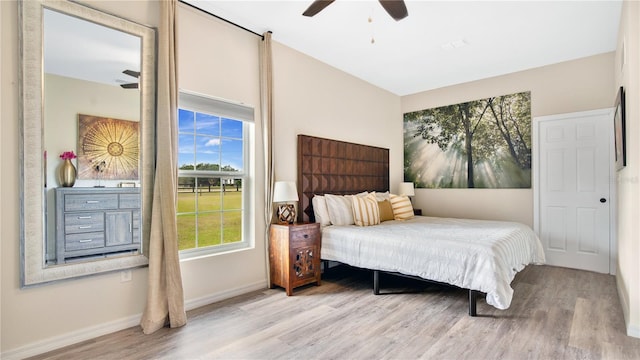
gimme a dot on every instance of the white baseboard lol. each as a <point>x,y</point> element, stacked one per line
<point>91,332</point>
<point>223,295</point>
<point>632,329</point>
<point>71,338</point>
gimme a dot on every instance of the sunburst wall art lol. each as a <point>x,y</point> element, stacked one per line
<point>108,149</point>
<point>478,144</point>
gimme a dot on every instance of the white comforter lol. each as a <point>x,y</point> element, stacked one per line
<point>472,254</point>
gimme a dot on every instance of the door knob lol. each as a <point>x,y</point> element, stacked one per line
<point>603,200</point>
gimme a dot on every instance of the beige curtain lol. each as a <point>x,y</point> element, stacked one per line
<point>165,299</point>
<point>266,111</point>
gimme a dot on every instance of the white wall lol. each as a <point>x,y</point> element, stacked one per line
<point>627,74</point>
<point>583,84</point>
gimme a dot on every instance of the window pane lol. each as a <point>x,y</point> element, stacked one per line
<point>209,229</point>
<point>207,153</point>
<point>232,159</point>
<point>186,149</point>
<point>232,199</point>
<point>186,195</point>
<point>186,231</point>
<point>185,121</point>
<point>209,194</point>
<point>232,128</point>
<point>207,124</point>
<point>232,226</point>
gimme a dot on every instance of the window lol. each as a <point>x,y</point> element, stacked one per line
<point>214,139</point>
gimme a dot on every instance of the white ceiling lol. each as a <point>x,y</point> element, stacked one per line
<point>419,52</point>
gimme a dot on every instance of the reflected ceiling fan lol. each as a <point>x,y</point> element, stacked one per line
<point>135,74</point>
<point>396,8</point>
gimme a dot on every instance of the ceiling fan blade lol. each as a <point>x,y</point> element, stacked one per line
<point>316,7</point>
<point>396,8</point>
<point>132,73</point>
<point>129,86</point>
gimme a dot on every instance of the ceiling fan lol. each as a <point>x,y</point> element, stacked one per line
<point>396,8</point>
<point>135,74</point>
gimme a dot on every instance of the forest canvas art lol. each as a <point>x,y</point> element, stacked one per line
<point>477,144</point>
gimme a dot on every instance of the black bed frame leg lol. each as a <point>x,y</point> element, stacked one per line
<point>473,296</point>
<point>376,282</point>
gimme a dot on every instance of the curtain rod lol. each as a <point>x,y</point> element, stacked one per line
<point>221,18</point>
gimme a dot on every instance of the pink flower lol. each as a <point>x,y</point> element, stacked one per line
<point>67,155</point>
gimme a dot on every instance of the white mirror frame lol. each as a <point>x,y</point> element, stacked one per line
<point>32,198</point>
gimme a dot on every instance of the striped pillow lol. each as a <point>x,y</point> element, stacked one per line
<point>365,210</point>
<point>339,207</point>
<point>402,208</point>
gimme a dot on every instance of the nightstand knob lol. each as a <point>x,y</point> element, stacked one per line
<point>306,236</point>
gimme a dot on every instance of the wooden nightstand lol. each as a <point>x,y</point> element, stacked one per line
<point>294,254</point>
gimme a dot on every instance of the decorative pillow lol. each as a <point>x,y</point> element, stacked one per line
<point>402,208</point>
<point>386,212</point>
<point>381,196</point>
<point>339,207</point>
<point>365,210</point>
<point>320,210</point>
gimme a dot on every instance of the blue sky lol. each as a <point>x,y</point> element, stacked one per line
<point>212,139</point>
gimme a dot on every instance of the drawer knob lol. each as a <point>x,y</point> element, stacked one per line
<point>306,236</point>
<point>84,227</point>
<point>85,241</point>
<point>92,201</point>
<point>84,217</point>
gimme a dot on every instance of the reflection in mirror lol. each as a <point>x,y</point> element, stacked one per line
<point>84,65</point>
<point>96,76</point>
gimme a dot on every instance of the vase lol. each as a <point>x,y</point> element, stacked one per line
<point>67,174</point>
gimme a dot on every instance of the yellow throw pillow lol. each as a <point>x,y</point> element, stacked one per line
<point>386,212</point>
<point>402,208</point>
<point>365,210</point>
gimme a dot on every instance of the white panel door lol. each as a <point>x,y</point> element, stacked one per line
<point>574,156</point>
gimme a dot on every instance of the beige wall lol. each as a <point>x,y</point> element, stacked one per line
<point>579,85</point>
<point>314,99</point>
<point>627,74</point>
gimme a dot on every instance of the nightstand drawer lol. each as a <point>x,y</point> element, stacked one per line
<point>84,241</point>
<point>301,237</point>
<point>90,202</point>
<point>83,222</point>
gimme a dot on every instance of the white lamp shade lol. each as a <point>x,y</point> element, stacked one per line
<point>284,191</point>
<point>406,188</point>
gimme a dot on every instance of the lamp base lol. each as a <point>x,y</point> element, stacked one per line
<point>286,214</point>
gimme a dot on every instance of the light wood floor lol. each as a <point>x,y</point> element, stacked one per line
<point>555,314</point>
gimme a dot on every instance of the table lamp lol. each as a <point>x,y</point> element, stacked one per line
<point>284,192</point>
<point>406,188</point>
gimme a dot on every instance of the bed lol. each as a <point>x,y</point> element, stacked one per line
<point>480,256</point>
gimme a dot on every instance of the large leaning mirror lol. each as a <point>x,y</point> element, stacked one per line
<point>87,152</point>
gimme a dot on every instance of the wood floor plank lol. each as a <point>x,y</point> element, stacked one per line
<point>556,313</point>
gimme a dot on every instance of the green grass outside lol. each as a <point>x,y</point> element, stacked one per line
<point>215,209</point>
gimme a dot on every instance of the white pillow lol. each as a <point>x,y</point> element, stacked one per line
<point>381,196</point>
<point>365,210</point>
<point>402,208</point>
<point>339,207</point>
<point>320,210</point>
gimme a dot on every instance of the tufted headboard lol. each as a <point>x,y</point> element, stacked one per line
<point>328,166</point>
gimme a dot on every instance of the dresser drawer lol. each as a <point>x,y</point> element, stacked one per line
<point>84,241</point>
<point>129,201</point>
<point>83,222</point>
<point>90,202</point>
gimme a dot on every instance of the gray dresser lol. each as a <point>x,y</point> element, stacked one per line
<point>96,222</point>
